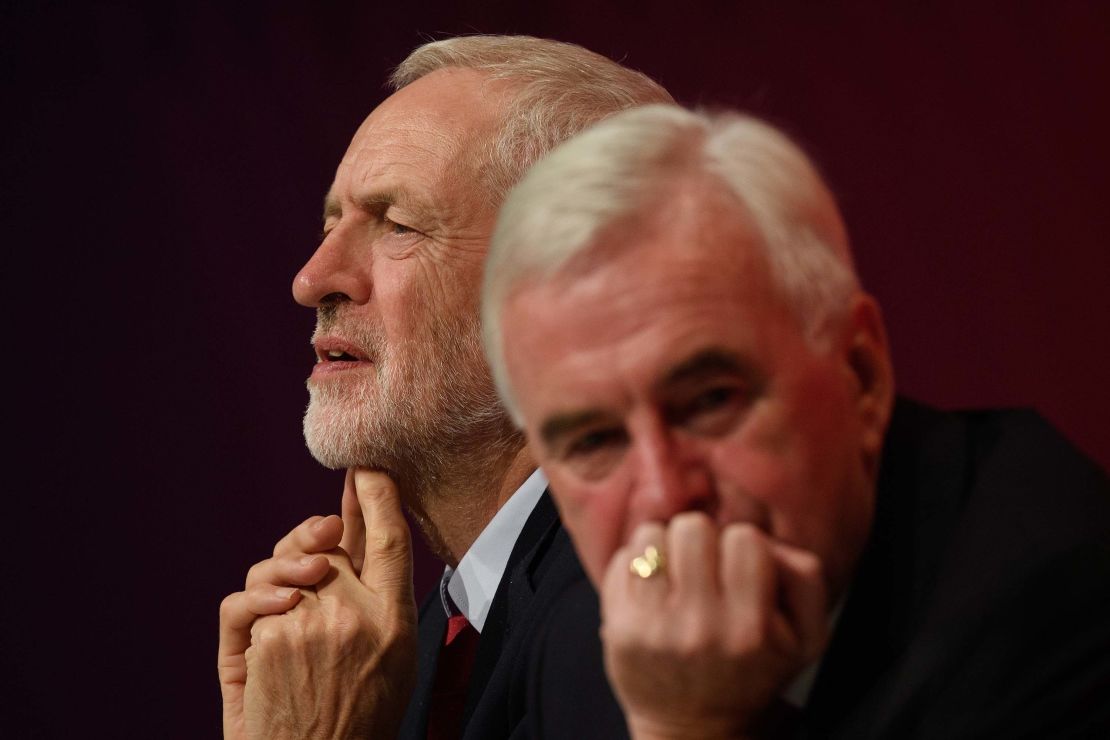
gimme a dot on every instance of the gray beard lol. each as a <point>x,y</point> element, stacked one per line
<point>425,412</point>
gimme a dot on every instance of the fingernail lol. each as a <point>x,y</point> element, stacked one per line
<point>319,522</point>
<point>307,559</point>
<point>285,593</point>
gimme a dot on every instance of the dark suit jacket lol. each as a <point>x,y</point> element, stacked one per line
<point>538,671</point>
<point>981,606</point>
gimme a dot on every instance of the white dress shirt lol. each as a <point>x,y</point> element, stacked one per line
<point>469,588</point>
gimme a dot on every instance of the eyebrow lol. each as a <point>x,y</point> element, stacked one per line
<point>378,202</point>
<point>332,209</point>
<point>707,362</point>
<point>562,425</point>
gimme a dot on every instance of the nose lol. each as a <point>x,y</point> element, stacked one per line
<point>337,271</point>
<point>671,477</point>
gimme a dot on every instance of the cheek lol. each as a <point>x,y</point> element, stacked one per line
<point>412,310</point>
<point>792,472</point>
<point>754,484</point>
<point>767,477</point>
<point>396,299</point>
<point>595,518</point>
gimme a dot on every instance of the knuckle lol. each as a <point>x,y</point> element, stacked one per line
<point>746,530</point>
<point>695,641</point>
<point>810,567</point>
<point>375,488</point>
<point>751,631</point>
<point>622,633</point>
<point>347,627</point>
<point>230,605</point>
<point>372,482</point>
<point>692,523</point>
<point>742,535</point>
<point>389,539</point>
<point>256,593</point>
<point>254,573</point>
<point>345,619</point>
<point>267,632</point>
<point>688,651</point>
<point>647,533</point>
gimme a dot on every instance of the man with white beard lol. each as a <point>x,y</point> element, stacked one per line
<point>323,640</point>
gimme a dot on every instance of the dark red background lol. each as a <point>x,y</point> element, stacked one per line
<point>165,169</point>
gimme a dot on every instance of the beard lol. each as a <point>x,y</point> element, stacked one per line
<point>425,410</point>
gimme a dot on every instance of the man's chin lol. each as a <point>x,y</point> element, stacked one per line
<point>329,457</point>
<point>333,436</point>
<point>329,454</point>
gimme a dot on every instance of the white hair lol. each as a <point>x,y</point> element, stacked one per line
<point>559,89</point>
<point>624,164</point>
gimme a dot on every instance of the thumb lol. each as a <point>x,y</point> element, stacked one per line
<point>387,563</point>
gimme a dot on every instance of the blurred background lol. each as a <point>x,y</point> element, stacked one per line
<point>164,170</point>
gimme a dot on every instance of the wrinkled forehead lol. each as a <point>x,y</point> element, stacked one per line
<point>446,108</point>
<point>424,144</point>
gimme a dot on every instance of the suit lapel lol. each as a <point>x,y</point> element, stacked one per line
<point>513,596</point>
<point>432,626</point>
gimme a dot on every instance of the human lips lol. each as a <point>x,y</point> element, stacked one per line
<point>335,354</point>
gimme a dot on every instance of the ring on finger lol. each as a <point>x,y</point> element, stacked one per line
<point>648,564</point>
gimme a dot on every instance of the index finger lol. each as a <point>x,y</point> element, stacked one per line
<point>354,526</point>
<point>387,561</point>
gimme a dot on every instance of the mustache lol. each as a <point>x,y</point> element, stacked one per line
<point>333,320</point>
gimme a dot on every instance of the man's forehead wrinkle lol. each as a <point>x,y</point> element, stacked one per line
<point>408,170</point>
<point>404,127</point>
<point>417,150</point>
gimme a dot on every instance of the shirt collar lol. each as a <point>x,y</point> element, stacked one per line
<point>469,588</point>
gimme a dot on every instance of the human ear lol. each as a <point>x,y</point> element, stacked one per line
<point>867,357</point>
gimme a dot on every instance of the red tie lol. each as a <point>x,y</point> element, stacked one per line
<point>456,658</point>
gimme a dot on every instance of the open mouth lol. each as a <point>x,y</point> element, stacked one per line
<point>333,351</point>
<point>335,355</point>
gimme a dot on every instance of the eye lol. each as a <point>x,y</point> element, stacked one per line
<point>712,399</point>
<point>594,453</point>
<point>399,229</point>
<point>594,440</point>
<point>710,411</point>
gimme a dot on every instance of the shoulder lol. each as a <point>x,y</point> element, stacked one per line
<point>1006,472</point>
<point>1004,528</point>
<point>1035,485</point>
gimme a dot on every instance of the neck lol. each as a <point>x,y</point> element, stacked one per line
<point>452,508</point>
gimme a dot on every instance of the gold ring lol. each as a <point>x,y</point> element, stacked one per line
<point>648,564</point>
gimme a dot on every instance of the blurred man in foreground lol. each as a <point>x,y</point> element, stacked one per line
<point>323,640</point>
<point>781,547</point>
